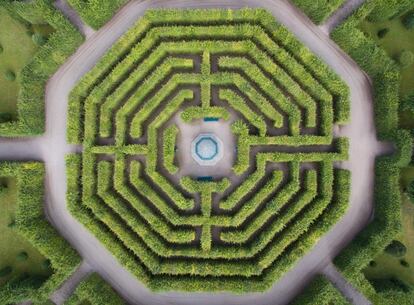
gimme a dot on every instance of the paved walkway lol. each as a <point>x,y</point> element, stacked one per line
<point>341,14</point>
<point>52,148</point>
<point>351,294</point>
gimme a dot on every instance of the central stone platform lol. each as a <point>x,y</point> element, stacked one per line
<point>207,149</point>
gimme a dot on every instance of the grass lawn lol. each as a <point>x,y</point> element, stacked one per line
<point>11,244</point>
<point>396,40</point>
<point>387,265</point>
<point>18,49</point>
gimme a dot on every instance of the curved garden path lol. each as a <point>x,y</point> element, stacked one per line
<point>52,148</point>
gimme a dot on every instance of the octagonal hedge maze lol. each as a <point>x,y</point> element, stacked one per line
<point>238,233</point>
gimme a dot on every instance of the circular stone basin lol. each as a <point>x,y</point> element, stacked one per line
<point>207,149</point>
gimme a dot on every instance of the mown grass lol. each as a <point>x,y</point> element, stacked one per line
<point>394,42</point>
<point>18,49</point>
<point>397,39</point>
<point>388,265</point>
<point>12,244</point>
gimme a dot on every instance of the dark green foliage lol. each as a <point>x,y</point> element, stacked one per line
<point>396,248</point>
<point>408,20</point>
<point>10,75</point>
<point>381,33</point>
<point>3,188</point>
<point>22,256</point>
<point>39,39</point>
<point>410,191</point>
<point>5,271</point>
<point>95,291</point>
<point>373,264</point>
<point>1,49</point>
<point>33,77</point>
<point>406,59</point>
<point>318,11</point>
<point>390,284</point>
<point>5,117</point>
<point>404,263</point>
<point>96,12</point>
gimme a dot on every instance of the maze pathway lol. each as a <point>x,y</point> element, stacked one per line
<point>178,232</point>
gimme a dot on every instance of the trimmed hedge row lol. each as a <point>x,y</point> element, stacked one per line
<point>317,230</point>
<point>96,12</point>
<point>318,11</point>
<point>320,291</point>
<point>96,291</point>
<point>33,77</point>
<point>385,77</point>
<point>164,227</point>
<point>128,78</point>
<point>32,225</point>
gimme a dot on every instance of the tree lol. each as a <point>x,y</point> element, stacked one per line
<point>406,58</point>
<point>39,39</point>
<point>381,33</point>
<point>396,248</point>
<point>22,256</point>
<point>408,21</point>
<point>5,117</point>
<point>10,75</point>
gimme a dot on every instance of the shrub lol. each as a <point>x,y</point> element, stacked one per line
<point>3,188</point>
<point>5,117</point>
<point>6,271</point>
<point>10,75</point>
<point>406,58</point>
<point>396,248</point>
<point>39,39</point>
<point>404,263</point>
<point>410,191</point>
<point>1,49</point>
<point>382,32</point>
<point>408,21</point>
<point>22,256</point>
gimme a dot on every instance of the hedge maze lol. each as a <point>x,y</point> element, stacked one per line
<point>238,233</point>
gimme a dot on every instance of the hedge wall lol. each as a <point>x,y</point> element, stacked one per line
<point>320,291</point>
<point>320,10</point>
<point>32,225</point>
<point>34,76</point>
<point>96,291</point>
<point>96,12</point>
<point>387,219</point>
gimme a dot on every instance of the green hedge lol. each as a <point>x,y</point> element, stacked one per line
<point>154,223</point>
<point>32,225</point>
<point>96,12</point>
<point>387,219</point>
<point>33,77</point>
<point>96,291</point>
<point>320,10</point>
<point>320,291</point>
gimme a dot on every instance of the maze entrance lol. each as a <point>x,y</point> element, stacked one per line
<point>280,192</point>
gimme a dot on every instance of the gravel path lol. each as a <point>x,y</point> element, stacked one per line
<point>340,15</point>
<point>65,291</point>
<point>52,147</point>
<point>352,295</point>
